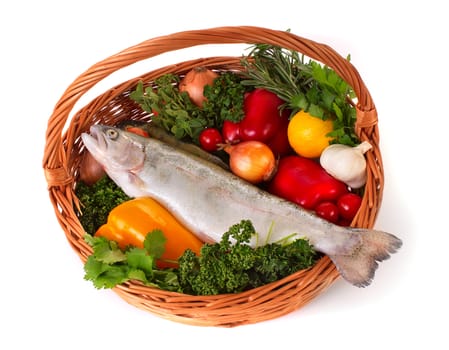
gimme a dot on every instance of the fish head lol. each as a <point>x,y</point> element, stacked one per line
<point>118,151</point>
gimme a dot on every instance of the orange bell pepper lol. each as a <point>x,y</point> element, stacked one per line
<point>130,222</point>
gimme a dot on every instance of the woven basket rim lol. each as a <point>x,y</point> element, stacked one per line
<point>63,149</point>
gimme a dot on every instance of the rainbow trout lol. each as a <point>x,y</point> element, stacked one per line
<point>208,199</point>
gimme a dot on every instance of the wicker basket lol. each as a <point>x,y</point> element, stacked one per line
<point>63,152</point>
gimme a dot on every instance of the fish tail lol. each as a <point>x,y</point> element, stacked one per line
<point>359,266</point>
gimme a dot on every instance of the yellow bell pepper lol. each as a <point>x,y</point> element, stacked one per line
<point>130,222</point>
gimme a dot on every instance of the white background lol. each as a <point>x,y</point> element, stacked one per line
<point>399,48</point>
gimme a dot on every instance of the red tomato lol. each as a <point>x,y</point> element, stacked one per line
<point>230,132</point>
<point>262,118</point>
<point>328,211</point>
<point>348,205</point>
<point>210,138</point>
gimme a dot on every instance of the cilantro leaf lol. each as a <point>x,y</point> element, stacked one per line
<point>104,275</point>
<point>108,265</point>
<point>105,250</point>
<point>139,275</point>
<point>167,280</point>
<point>138,258</point>
<point>154,243</point>
<point>112,276</point>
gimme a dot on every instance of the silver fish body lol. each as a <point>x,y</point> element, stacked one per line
<point>208,199</point>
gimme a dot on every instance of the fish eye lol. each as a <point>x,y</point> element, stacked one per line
<point>111,134</point>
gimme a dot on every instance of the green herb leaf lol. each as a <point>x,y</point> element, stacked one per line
<point>338,113</point>
<point>97,201</point>
<point>167,280</point>
<point>154,243</point>
<point>316,111</point>
<point>104,275</point>
<point>138,258</point>
<point>133,264</point>
<point>93,268</point>
<point>105,251</point>
<point>299,101</point>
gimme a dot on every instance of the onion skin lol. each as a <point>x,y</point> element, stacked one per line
<point>253,161</point>
<point>194,82</point>
<point>90,170</point>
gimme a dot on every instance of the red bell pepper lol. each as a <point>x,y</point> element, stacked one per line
<point>262,116</point>
<point>304,182</point>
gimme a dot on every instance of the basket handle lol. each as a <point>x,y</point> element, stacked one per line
<point>55,157</point>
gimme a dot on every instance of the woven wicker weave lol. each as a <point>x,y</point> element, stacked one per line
<point>63,153</point>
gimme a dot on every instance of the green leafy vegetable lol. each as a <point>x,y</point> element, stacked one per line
<point>174,111</point>
<point>230,267</point>
<point>309,86</point>
<point>155,243</point>
<point>109,265</point>
<point>224,99</point>
<point>97,201</point>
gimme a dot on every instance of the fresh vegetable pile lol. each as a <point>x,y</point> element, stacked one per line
<point>281,123</point>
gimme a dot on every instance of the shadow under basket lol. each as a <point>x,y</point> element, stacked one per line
<point>64,150</point>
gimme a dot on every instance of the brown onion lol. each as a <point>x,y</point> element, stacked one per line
<point>90,170</point>
<point>253,161</point>
<point>194,82</point>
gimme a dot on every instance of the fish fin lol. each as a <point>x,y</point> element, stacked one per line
<point>136,182</point>
<point>359,267</point>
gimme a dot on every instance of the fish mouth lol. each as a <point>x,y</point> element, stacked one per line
<point>95,142</point>
<point>98,135</point>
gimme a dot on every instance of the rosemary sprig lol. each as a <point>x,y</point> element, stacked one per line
<point>280,71</point>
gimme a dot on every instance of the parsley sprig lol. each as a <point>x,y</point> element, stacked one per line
<point>109,265</point>
<point>174,111</point>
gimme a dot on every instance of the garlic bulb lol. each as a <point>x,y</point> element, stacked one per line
<point>346,163</point>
